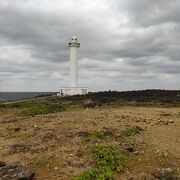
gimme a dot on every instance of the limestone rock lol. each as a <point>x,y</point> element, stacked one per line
<point>15,171</point>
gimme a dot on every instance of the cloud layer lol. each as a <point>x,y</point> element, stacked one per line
<point>125,44</point>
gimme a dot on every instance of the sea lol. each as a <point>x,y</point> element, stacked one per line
<point>22,95</point>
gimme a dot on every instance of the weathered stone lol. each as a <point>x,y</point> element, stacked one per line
<point>15,171</point>
<point>17,129</point>
<point>18,148</point>
<point>108,133</point>
<point>139,128</point>
<point>165,173</point>
<point>141,176</point>
<point>127,147</point>
<point>79,153</point>
<point>83,133</point>
<point>48,136</point>
<point>2,163</point>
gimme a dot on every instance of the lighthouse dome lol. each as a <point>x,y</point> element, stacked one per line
<point>74,37</point>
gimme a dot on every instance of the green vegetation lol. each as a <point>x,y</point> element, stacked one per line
<point>18,105</point>
<point>107,159</point>
<point>131,131</point>
<point>34,107</point>
<point>95,174</point>
<point>2,105</point>
<point>41,109</point>
<point>99,134</point>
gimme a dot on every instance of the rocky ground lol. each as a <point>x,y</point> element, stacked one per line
<point>57,146</point>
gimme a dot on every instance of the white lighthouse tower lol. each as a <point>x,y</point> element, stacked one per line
<point>73,59</point>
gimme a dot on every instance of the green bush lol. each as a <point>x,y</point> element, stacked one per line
<point>130,131</point>
<point>108,157</point>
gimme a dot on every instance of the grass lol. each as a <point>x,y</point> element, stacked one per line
<point>41,109</point>
<point>130,131</point>
<point>18,105</point>
<point>100,134</point>
<point>34,107</point>
<point>107,159</point>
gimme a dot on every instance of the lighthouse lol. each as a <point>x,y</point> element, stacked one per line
<point>73,58</point>
<point>73,88</point>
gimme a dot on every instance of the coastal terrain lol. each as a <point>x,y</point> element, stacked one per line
<point>122,135</point>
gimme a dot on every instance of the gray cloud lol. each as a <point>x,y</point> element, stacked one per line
<point>124,44</point>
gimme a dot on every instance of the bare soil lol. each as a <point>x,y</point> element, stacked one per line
<point>56,145</point>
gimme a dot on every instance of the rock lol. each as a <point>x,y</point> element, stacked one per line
<point>165,122</point>
<point>171,121</point>
<point>165,173</point>
<point>168,170</point>
<point>18,148</point>
<point>48,136</point>
<point>127,147</point>
<point>136,152</point>
<point>139,128</point>
<point>56,168</point>
<point>108,133</point>
<point>165,154</point>
<point>2,163</point>
<point>157,151</point>
<point>17,129</point>
<point>15,171</point>
<point>91,104</point>
<point>67,163</point>
<point>83,133</point>
<point>79,153</point>
<point>36,128</point>
<point>141,176</point>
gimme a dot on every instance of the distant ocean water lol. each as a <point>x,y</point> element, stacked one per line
<point>21,95</point>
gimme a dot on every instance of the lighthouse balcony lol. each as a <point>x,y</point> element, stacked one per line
<point>74,44</point>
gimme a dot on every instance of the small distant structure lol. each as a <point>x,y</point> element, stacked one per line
<point>73,58</point>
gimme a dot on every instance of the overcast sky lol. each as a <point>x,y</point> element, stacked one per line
<point>125,44</point>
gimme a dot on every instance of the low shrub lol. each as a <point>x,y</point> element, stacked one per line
<point>107,159</point>
<point>95,173</point>
<point>131,131</point>
<point>99,134</point>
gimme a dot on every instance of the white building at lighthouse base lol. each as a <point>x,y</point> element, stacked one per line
<point>71,91</point>
<point>73,59</point>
